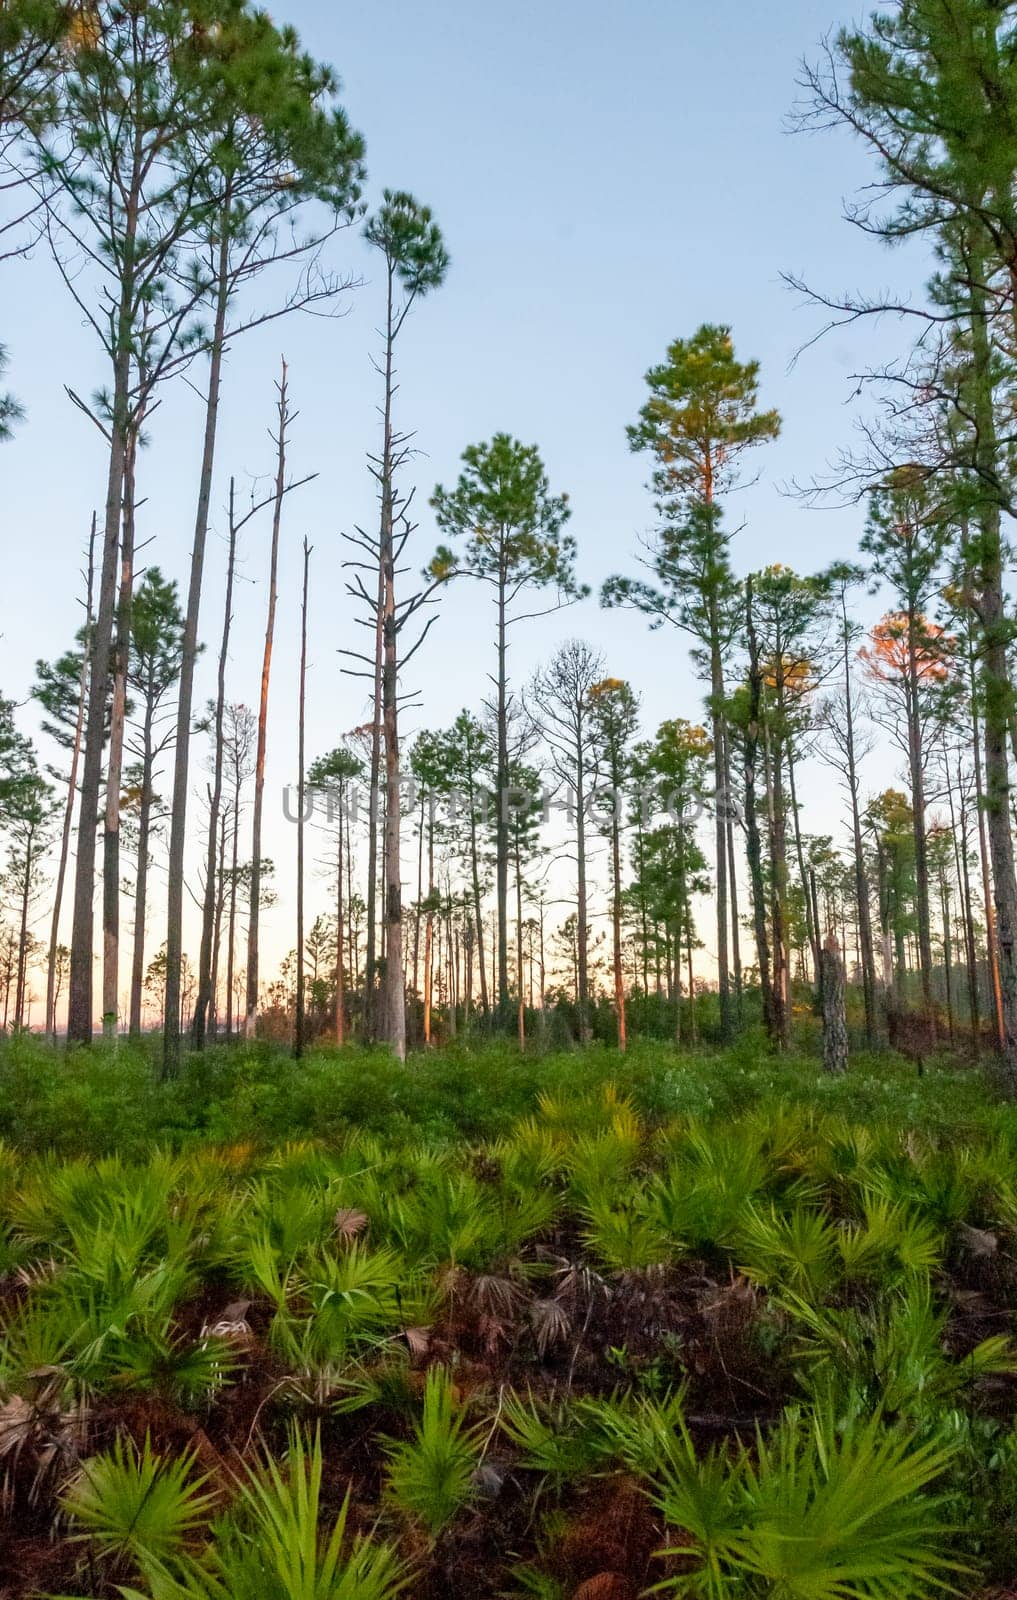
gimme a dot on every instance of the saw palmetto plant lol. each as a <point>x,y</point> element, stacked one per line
<point>332,1368</point>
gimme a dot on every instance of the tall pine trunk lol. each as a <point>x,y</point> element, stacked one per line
<point>916,763</point>
<point>868,961</point>
<point>72,794</point>
<point>997,698</point>
<point>141,883</point>
<point>115,756</point>
<point>79,1000</point>
<point>720,821</point>
<point>298,1041</point>
<point>753,844</point>
<point>253,951</point>
<point>205,995</point>
<point>501,800</point>
<point>185,696</point>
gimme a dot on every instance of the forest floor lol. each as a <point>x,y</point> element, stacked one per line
<point>564,1326</point>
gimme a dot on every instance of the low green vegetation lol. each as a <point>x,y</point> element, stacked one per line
<point>487,1325</point>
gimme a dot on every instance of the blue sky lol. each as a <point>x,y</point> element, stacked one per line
<point>607,177</point>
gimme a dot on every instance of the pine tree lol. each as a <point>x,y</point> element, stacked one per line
<point>156,655</point>
<point>507,530</point>
<point>700,419</point>
<point>614,707</point>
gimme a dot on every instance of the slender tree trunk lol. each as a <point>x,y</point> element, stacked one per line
<point>732,879</point>
<point>298,1041</point>
<point>251,1018</point>
<point>340,954</point>
<point>231,924</point>
<point>753,845</point>
<point>220,905</point>
<point>964,883</point>
<point>868,963</point>
<point>371,953</point>
<point>811,916</point>
<point>80,1008</point>
<point>72,791</point>
<point>944,903</point>
<point>501,799</point>
<point>916,760</point>
<point>115,755</point>
<point>141,883</point>
<point>778,859</point>
<point>616,924</point>
<point>429,929</point>
<point>521,1010</point>
<point>420,897</point>
<point>997,699</point>
<point>205,994</point>
<point>582,901</point>
<point>475,883</point>
<point>720,823</point>
<point>185,698</point>
<point>26,900</point>
<point>395,975</point>
<point>991,947</point>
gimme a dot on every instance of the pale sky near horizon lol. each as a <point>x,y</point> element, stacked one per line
<point>607,177</point>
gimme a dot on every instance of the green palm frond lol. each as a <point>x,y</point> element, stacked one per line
<point>430,1476</point>
<point>134,1503</point>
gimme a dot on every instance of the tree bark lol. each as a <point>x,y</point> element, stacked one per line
<point>251,1017</point>
<point>115,754</point>
<point>501,801</point>
<point>141,884</point>
<point>868,962</point>
<point>72,792</point>
<point>79,1007</point>
<point>298,1041</point>
<point>205,995</point>
<point>185,696</point>
<point>753,844</point>
<point>720,822</point>
<point>835,1039</point>
<point>997,700</point>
